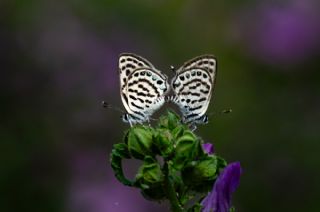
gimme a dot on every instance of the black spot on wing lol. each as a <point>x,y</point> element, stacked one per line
<point>141,100</point>
<point>127,72</point>
<point>204,91</point>
<point>132,97</point>
<point>195,108</point>
<point>195,86</point>
<point>129,65</point>
<point>147,82</point>
<point>190,93</point>
<point>143,88</point>
<point>136,106</point>
<point>191,116</point>
<point>140,93</point>
<point>125,98</point>
<point>193,81</point>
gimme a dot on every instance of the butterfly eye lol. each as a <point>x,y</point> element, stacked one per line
<point>154,78</point>
<point>181,78</point>
<point>148,73</point>
<point>188,76</point>
<point>193,73</point>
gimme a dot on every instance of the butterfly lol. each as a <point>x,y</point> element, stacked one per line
<point>192,85</point>
<point>142,88</point>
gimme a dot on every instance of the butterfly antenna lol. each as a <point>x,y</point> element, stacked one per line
<point>109,106</point>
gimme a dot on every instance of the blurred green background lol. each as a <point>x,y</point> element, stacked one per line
<point>58,61</point>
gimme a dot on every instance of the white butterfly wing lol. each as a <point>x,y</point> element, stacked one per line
<point>128,63</point>
<point>193,85</point>
<point>145,92</point>
<point>142,87</point>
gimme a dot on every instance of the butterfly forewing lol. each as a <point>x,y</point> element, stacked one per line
<point>207,62</point>
<point>193,85</point>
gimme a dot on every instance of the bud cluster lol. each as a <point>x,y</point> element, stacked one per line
<point>175,165</point>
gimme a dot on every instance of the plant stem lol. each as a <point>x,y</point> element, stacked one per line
<point>170,192</point>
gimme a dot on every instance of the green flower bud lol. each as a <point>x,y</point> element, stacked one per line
<point>170,121</point>
<point>150,178</point>
<point>178,131</point>
<point>199,175</point>
<point>163,142</point>
<point>187,147</point>
<point>139,141</point>
<point>149,172</point>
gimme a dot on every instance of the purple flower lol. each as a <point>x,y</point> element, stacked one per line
<point>208,148</point>
<point>219,199</point>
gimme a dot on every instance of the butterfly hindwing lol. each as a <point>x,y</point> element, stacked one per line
<point>142,87</point>
<point>193,85</point>
<point>145,91</point>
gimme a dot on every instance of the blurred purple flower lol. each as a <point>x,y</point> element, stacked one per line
<point>282,34</point>
<point>219,199</point>
<point>208,148</point>
<point>92,188</point>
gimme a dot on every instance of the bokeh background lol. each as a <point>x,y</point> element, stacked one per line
<point>58,61</point>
